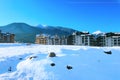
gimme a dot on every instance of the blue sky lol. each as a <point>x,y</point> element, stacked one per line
<point>83,15</point>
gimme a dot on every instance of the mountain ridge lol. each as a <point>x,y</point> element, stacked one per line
<point>27,33</point>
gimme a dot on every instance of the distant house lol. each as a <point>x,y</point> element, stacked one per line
<point>6,37</point>
<point>51,40</point>
<point>93,40</point>
<point>100,41</point>
<point>70,40</point>
<point>63,40</point>
<point>112,39</point>
<point>79,38</point>
<point>41,39</point>
<point>86,39</point>
<point>97,40</point>
<point>55,40</point>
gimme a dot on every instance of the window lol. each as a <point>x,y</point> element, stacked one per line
<point>86,40</point>
<point>86,43</point>
<point>115,43</point>
<point>82,39</point>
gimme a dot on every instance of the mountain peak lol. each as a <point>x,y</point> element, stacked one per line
<point>18,24</point>
<point>42,26</point>
<point>26,33</point>
<point>97,32</point>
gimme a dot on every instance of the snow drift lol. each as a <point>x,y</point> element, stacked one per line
<point>31,62</point>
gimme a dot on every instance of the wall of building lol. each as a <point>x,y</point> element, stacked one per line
<point>51,40</point>
<point>6,37</point>
<point>82,39</point>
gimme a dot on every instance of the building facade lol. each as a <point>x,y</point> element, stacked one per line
<point>80,38</point>
<point>42,39</point>
<point>51,40</point>
<point>112,39</point>
<point>6,37</point>
<point>63,40</point>
<point>70,40</point>
<point>55,40</point>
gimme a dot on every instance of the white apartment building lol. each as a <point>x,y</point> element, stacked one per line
<point>113,39</point>
<point>81,38</point>
<point>55,40</point>
<point>63,40</point>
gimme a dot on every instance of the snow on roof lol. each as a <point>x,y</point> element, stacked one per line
<point>117,32</point>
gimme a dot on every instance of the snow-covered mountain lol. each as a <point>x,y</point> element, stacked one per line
<point>26,33</point>
<point>42,26</point>
<point>98,32</point>
<point>31,62</point>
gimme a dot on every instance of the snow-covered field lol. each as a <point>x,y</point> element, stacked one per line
<point>88,63</point>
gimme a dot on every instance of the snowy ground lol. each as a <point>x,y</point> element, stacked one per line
<point>88,63</point>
